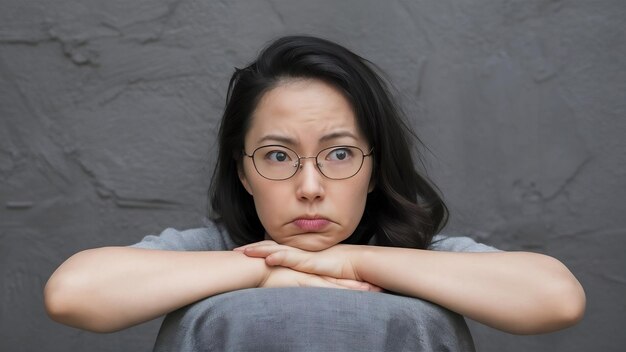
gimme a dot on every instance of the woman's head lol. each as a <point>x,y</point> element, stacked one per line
<point>306,166</point>
<point>308,94</point>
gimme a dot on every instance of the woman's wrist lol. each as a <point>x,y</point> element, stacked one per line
<point>257,267</point>
<point>358,257</point>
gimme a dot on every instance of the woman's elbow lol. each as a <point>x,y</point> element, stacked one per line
<point>555,301</point>
<point>564,299</point>
<point>572,302</point>
<point>66,297</point>
<point>59,298</point>
<point>64,306</point>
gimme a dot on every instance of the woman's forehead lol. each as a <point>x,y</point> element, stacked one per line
<point>303,111</point>
<point>294,139</point>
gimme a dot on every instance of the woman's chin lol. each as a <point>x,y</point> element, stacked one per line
<point>308,242</point>
<point>311,246</point>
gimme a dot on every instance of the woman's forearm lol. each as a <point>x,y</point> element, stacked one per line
<point>518,292</point>
<point>111,288</point>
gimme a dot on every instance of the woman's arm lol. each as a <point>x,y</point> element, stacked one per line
<point>112,288</point>
<point>517,292</point>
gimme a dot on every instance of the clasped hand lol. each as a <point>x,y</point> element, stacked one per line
<point>333,267</point>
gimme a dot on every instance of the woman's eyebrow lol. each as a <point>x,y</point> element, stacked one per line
<point>338,134</point>
<point>277,138</point>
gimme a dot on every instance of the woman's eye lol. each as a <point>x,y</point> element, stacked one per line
<point>277,155</point>
<point>339,154</point>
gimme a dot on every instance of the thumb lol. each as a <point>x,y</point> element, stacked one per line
<point>290,259</point>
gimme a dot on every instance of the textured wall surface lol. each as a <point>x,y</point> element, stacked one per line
<point>109,112</point>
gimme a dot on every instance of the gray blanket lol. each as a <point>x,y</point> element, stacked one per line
<point>313,319</point>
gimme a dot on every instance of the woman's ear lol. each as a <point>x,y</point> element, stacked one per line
<point>243,178</point>
<point>372,184</point>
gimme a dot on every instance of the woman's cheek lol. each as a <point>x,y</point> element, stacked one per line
<point>269,215</point>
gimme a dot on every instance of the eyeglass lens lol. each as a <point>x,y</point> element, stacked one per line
<point>278,162</point>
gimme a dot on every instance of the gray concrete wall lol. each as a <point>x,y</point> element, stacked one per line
<point>109,112</point>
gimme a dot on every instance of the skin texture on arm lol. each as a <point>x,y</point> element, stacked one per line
<point>112,288</point>
<point>517,292</point>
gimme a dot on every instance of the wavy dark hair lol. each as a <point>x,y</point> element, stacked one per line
<point>403,210</point>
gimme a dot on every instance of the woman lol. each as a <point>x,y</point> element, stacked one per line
<point>315,186</point>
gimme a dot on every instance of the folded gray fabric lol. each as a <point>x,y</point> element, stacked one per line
<point>313,319</point>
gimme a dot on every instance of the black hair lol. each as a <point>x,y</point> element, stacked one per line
<point>403,210</point>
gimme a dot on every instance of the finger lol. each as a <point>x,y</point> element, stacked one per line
<point>354,284</point>
<point>255,244</point>
<point>363,286</point>
<point>373,288</point>
<point>263,251</point>
<point>250,245</point>
<point>303,261</point>
<point>289,259</point>
<point>316,281</point>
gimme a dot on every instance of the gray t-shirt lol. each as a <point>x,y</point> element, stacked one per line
<point>307,319</point>
<point>215,238</point>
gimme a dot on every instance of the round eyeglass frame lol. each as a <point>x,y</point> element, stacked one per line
<point>299,165</point>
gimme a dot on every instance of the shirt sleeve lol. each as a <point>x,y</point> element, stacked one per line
<point>458,244</point>
<point>209,238</point>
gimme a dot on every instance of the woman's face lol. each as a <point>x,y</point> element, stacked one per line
<point>307,211</point>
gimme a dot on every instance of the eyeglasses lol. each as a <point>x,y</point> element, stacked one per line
<point>277,162</point>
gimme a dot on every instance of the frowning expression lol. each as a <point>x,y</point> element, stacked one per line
<point>308,210</point>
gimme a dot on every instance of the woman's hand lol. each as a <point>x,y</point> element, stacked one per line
<point>285,277</point>
<point>336,262</point>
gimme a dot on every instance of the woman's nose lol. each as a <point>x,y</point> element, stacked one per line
<point>310,180</point>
